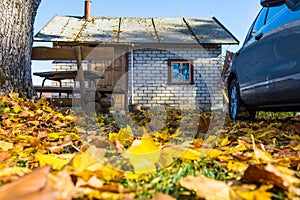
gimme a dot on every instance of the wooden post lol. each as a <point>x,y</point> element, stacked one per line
<point>80,74</point>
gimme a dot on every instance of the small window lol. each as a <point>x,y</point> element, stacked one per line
<point>180,72</point>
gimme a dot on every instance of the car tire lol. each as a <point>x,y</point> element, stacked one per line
<point>234,99</point>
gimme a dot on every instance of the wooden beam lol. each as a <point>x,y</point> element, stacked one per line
<point>64,53</point>
<point>80,75</point>
<point>48,53</point>
<point>97,53</point>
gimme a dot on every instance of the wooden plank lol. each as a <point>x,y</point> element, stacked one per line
<point>63,53</point>
<point>97,53</point>
<point>68,90</point>
<point>63,102</point>
<point>47,53</point>
<point>72,74</point>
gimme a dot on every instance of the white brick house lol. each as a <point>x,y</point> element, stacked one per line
<point>151,84</point>
<point>156,61</point>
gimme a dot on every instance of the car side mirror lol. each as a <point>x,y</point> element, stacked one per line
<point>291,3</point>
<point>271,3</point>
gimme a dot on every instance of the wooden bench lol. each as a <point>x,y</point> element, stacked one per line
<point>71,90</point>
<point>96,95</point>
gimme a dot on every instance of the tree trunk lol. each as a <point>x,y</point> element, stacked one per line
<point>16,38</point>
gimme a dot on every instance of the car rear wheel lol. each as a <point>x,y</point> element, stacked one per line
<point>234,99</point>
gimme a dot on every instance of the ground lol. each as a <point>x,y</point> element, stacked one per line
<point>60,154</point>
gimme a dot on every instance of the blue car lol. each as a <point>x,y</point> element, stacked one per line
<point>265,72</point>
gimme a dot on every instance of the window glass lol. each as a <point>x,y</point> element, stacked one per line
<point>185,72</point>
<point>175,72</point>
<point>274,11</point>
<point>260,20</point>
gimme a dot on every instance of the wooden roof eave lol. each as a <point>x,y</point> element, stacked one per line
<point>70,53</point>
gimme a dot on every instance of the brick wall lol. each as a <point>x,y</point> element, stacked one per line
<point>150,72</point>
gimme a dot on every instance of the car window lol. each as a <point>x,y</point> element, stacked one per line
<point>272,11</point>
<point>257,24</point>
<point>260,20</point>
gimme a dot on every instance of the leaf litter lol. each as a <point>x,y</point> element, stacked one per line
<point>44,154</point>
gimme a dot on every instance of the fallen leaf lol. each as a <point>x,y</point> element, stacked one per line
<point>17,108</point>
<point>160,196</point>
<point>8,171</point>
<point>33,182</point>
<point>206,188</point>
<point>259,194</point>
<point>61,184</point>
<point>4,156</point>
<point>236,166</point>
<point>54,160</point>
<point>95,182</point>
<point>268,174</point>
<point>190,154</point>
<point>5,146</point>
<point>224,142</point>
<point>143,154</point>
<point>88,160</point>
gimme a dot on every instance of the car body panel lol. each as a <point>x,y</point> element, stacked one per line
<point>267,67</point>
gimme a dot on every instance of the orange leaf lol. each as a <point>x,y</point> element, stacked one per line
<point>268,174</point>
<point>26,185</point>
<point>163,196</point>
<point>206,188</point>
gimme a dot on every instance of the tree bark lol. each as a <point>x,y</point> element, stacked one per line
<point>16,38</point>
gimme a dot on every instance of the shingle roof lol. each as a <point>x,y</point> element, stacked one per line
<point>136,30</point>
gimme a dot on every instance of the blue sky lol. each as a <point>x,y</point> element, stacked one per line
<point>235,15</point>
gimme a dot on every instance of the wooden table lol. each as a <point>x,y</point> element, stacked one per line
<point>63,75</point>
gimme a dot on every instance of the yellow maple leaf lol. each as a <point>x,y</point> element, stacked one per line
<point>214,153</point>
<point>143,154</point>
<point>236,166</point>
<point>17,108</point>
<point>5,146</point>
<point>224,142</point>
<point>115,29</point>
<point>125,136</point>
<point>259,194</point>
<point>14,95</point>
<point>20,171</point>
<point>54,160</point>
<point>190,154</point>
<point>88,160</point>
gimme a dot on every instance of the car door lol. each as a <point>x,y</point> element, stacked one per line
<point>284,76</point>
<point>249,63</point>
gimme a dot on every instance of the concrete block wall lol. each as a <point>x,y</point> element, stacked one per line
<point>150,83</point>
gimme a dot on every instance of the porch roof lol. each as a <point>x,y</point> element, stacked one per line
<point>128,30</point>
